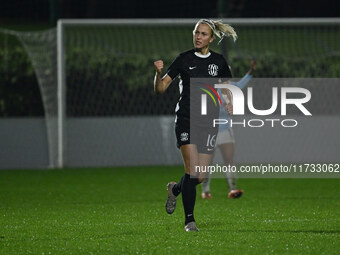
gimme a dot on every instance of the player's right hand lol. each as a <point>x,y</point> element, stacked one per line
<point>159,66</point>
<point>253,64</point>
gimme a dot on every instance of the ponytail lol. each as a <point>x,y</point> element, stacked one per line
<point>219,29</point>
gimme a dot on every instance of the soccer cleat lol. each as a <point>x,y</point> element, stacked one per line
<point>191,227</point>
<point>206,195</point>
<point>170,204</point>
<point>235,193</point>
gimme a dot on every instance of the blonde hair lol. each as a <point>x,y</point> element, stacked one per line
<point>219,29</point>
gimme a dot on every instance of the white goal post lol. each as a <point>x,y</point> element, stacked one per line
<point>65,23</point>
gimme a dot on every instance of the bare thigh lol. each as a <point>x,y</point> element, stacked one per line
<point>228,150</point>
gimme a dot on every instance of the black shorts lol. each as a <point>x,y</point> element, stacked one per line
<point>203,137</point>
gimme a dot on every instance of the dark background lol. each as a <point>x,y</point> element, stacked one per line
<point>43,11</point>
<point>19,90</point>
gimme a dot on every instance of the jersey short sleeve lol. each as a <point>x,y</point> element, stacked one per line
<point>226,73</point>
<point>174,68</point>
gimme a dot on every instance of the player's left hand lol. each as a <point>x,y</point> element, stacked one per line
<point>229,108</point>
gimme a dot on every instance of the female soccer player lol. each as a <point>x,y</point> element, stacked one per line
<point>199,62</point>
<point>226,143</point>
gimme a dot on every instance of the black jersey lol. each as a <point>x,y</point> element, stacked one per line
<point>190,64</point>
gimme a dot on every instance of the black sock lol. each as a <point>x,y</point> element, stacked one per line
<point>177,188</point>
<point>189,197</point>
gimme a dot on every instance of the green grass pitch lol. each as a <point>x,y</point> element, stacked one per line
<point>121,211</point>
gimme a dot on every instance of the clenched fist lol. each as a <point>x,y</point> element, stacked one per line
<point>159,66</point>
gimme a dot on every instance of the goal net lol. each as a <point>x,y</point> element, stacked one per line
<point>99,103</point>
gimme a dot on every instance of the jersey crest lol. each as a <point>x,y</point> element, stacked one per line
<point>213,70</point>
